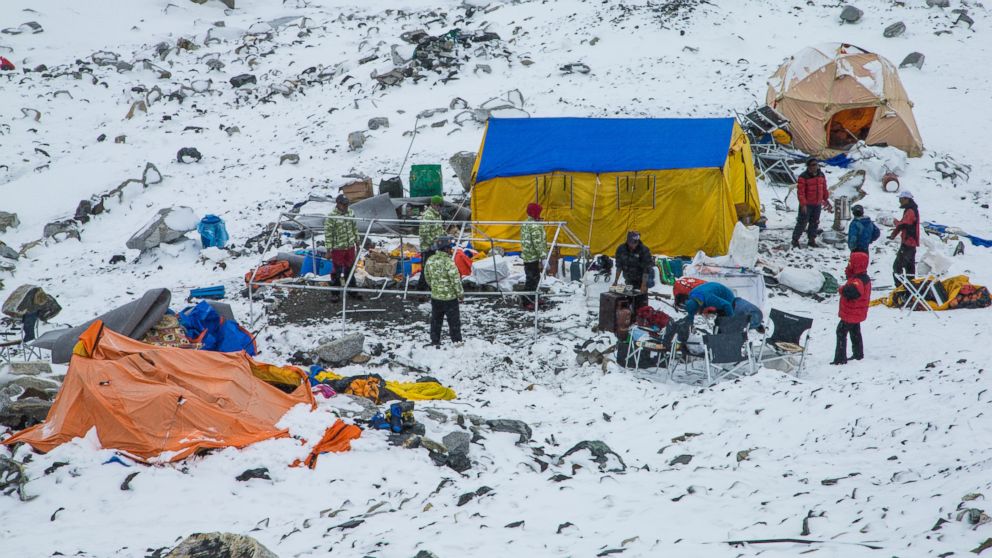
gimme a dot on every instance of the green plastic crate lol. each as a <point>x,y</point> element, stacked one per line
<point>425,180</point>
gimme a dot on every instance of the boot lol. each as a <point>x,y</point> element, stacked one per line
<point>838,362</point>
<point>813,244</point>
<point>795,243</point>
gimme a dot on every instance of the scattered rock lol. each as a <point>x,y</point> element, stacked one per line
<point>575,68</point>
<point>850,14</point>
<point>356,140</point>
<point>116,259</point>
<point>378,122</point>
<point>32,27</point>
<point>462,162</point>
<point>291,158</point>
<point>61,230</point>
<point>151,175</point>
<point>190,152</point>
<point>683,459</point>
<point>227,545</point>
<point>743,455</point>
<point>599,450</point>
<point>938,3</point>
<point>243,79</point>
<point>83,211</point>
<point>259,473</point>
<point>120,139</point>
<point>169,225</point>
<point>966,19</point>
<point>21,413</point>
<point>913,59</point>
<point>894,30</point>
<point>231,130</point>
<point>425,554</point>
<point>8,252</point>
<point>29,368</point>
<point>8,221</point>
<point>513,426</point>
<point>514,525</point>
<point>457,442</point>
<point>214,64</point>
<point>126,485</point>
<point>13,478</point>
<point>342,349</point>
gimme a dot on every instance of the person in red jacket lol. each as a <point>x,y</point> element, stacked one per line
<point>854,298</point>
<point>812,192</point>
<point>909,229</point>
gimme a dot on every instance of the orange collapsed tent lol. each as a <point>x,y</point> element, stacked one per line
<point>163,403</point>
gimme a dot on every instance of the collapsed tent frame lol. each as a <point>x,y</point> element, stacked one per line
<point>468,231</point>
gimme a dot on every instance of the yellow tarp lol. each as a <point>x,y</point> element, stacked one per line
<point>951,285</point>
<point>413,391</point>
<point>678,212</point>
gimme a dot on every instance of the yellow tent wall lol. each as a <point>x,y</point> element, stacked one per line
<point>677,212</point>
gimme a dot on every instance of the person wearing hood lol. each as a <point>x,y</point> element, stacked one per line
<point>634,263</point>
<point>861,232</point>
<point>855,295</point>
<point>533,250</point>
<point>908,229</point>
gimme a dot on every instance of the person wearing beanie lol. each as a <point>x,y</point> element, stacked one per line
<point>635,265</point>
<point>861,232</point>
<point>533,250</point>
<point>811,189</point>
<point>431,228</point>
<point>341,239</point>
<point>908,228</point>
<point>855,295</point>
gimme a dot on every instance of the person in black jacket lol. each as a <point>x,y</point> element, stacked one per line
<point>634,263</point>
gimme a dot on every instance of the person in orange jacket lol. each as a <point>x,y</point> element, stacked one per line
<point>855,295</point>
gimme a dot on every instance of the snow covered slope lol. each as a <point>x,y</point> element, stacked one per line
<point>870,455</point>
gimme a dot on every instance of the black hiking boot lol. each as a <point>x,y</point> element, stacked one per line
<point>795,244</point>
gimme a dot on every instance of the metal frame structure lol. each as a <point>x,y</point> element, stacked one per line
<point>468,231</point>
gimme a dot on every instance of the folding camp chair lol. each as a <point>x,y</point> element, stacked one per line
<point>732,324</point>
<point>787,340</point>
<point>726,354</point>
<point>27,330</point>
<point>636,346</point>
<point>919,290</point>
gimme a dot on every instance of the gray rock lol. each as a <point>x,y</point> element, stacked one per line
<point>8,221</point>
<point>576,68</point>
<point>61,230</point>
<point>368,410</point>
<point>191,152</point>
<point>220,545</point>
<point>356,140</point>
<point>510,425</point>
<point>32,27</point>
<point>231,130</point>
<point>599,450</point>
<point>8,252</point>
<point>215,64</point>
<point>378,122</point>
<point>894,30</point>
<point>964,18</point>
<point>341,349</point>
<point>29,368</point>
<point>39,387</point>
<point>150,176</point>
<point>938,3</point>
<point>392,77</point>
<point>913,59</point>
<point>21,413</point>
<point>169,225</point>
<point>425,554</point>
<point>683,459</point>
<point>291,158</point>
<point>850,14</point>
<point>242,80</point>
<point>462,162</point>
<point>457,442</point>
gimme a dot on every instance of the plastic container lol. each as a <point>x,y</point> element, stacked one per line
<point>321,265</point>
<point>425,181</point>
<point>392,186</point>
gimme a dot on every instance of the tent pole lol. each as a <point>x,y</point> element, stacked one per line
<point>592,216</point>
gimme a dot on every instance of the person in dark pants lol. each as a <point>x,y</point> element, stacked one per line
<point>341,240</point>
<point>635,265</point>
<point>533,250</point>
<point>811,189</point>
<point>446,291</point>
<point>909,230</point>
<point>854,298</point>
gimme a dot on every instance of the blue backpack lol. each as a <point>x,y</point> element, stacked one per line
<point>212,231</point>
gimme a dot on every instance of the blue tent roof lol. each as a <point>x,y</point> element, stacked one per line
<point>523,146</point>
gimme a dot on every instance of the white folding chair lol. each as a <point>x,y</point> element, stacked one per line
<point>920,290</point>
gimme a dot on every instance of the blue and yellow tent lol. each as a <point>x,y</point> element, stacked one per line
<point>681,182</point>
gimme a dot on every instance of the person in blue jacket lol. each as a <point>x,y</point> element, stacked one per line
<point>861,232</point>
<point>708,295</point>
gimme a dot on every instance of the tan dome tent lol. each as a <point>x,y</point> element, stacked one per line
<point>837,94</point>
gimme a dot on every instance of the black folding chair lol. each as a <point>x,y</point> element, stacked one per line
<point>731,324</point>
<point>788,340</point>
<point>726,354</point>
<point>27,330</point>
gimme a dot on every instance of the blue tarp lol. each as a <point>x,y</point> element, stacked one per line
<point>524,146</point>
<point>942,229</point>
<point>218,334</point>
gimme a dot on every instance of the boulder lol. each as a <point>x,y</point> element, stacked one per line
<point>600,453</point>
<point>894,30</point>
<point>243,79</point>
<point>457,442</point>
<point>850,14</point>
<point>61,230</point>
<point>356,140</point>
<point>191,152</point>
<point>513,426</point>
<point>378,122</point>
<point>220,545</point>
<point>29,368</point>
<point>462,162</point>
<point>8,221</point>
<point>8,252</point>
<point>341,350</point>
<point>30,386</point>
<point>169,225</point>
<point>21,413</point>
<point>913,59</point>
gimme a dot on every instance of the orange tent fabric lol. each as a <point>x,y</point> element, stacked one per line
<point>164,403</point>
<point>337,438</point>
